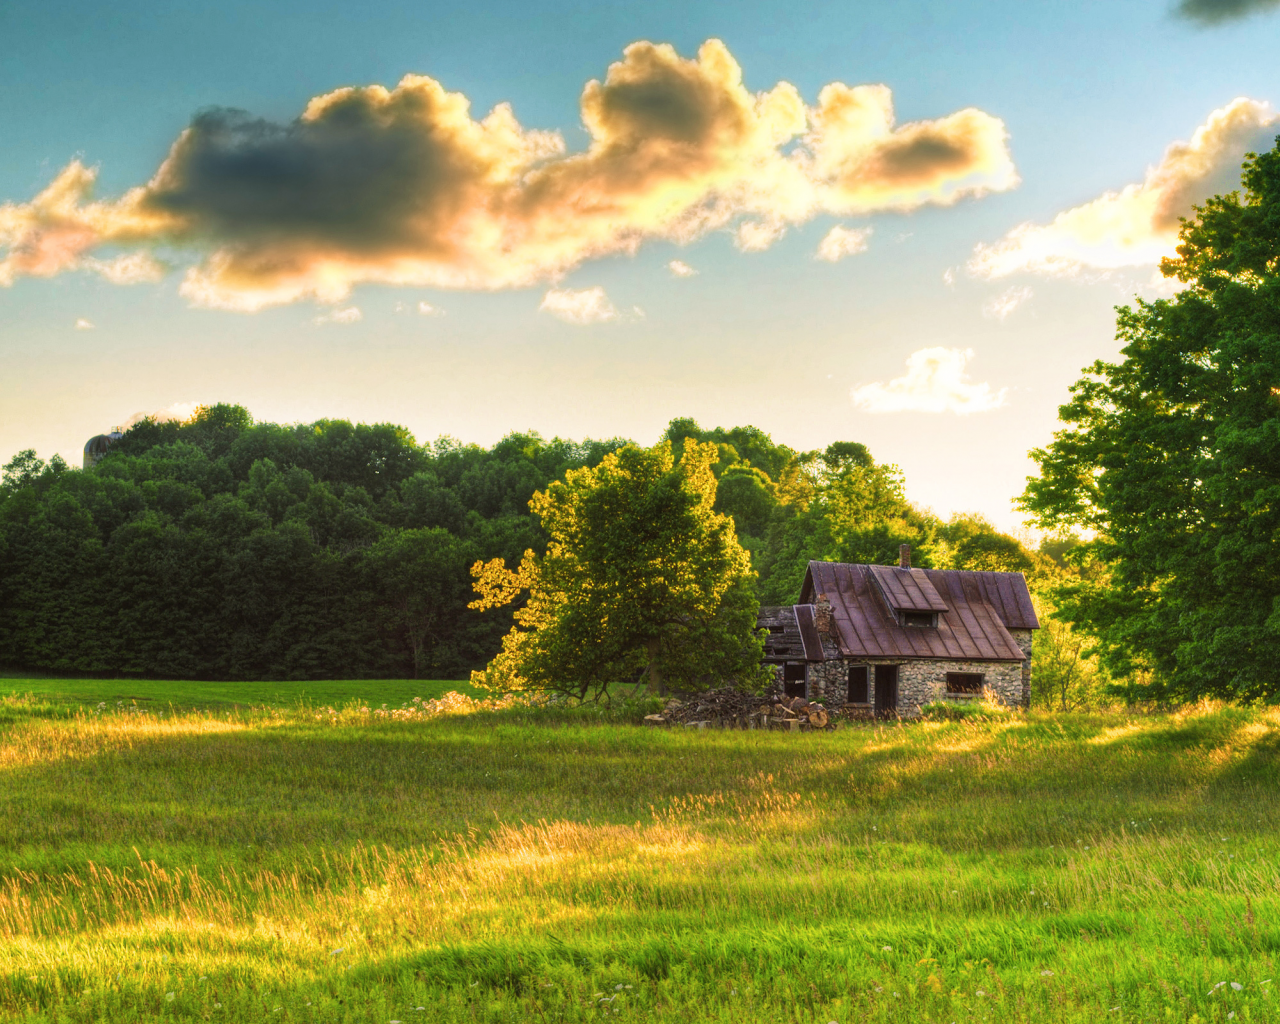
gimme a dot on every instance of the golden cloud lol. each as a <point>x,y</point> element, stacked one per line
<point>402,186</point>
<point>1138,225</point>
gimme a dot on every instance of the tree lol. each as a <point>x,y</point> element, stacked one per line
<point>640,575</point>
<point>1172,457</point>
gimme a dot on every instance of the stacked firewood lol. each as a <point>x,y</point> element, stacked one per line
<point>731,708</point>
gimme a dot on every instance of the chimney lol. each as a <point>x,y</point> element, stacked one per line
<point>822,615</point>
<point>904,556</point>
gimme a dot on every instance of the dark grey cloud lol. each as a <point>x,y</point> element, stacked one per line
<point>1214,12</point>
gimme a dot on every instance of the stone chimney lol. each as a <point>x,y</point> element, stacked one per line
<point>904,556</point>
<point>822,615</point>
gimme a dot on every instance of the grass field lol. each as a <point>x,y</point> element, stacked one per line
<point>298,864</point>
<point>158,693</point>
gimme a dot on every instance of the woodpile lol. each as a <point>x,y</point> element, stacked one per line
<point>731,708</point>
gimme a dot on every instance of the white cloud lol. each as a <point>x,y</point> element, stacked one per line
<point>679,268</point>
<point>346,315</point>
<point>583,306</point>
<point>841,242</point>
<point>131,268</point>
<point>84,325</point>
<point>1006,302</point>
<point>949,277</point>
<point>180,411</point>
<point>935,381</point>
<point>426,309</point>
<point>1138,225</point>
<point>758,235</point>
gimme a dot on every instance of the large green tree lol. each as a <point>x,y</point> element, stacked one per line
<point>641,575</point>
<point>1172,457</point>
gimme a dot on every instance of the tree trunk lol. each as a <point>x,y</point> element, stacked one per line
<point>657,686</point>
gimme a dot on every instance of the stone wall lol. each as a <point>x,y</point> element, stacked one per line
<point>923,681</point>
<point>1022,637</point>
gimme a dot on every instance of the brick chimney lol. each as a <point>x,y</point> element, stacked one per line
<point>822,615</point>
<point>904,556</point>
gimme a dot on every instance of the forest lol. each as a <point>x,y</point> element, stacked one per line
<point>224,548</point>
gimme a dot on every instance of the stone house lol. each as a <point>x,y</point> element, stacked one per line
<point>892,638</point>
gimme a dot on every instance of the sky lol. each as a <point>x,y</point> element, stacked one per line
<point>901,224</point>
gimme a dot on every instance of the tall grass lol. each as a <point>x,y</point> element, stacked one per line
<point>522,864</point>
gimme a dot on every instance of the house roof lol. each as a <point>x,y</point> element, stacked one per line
<point>975,610</point>
<point>792,633</point>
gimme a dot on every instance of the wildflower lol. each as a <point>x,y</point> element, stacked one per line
<point>335,952</point>
<point>979,993</point>
<point>170,996</point>
<point>1237,986</point>
<point>887,949</point>
<point>1046,974</point>
<point>617,988</point>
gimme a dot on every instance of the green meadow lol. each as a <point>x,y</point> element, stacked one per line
<point>196,858</point>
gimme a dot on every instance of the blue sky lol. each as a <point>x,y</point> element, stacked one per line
<point>1090,96</point>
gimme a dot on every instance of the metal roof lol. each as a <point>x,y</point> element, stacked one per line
<point>907,590</point>
<point>978,610</point>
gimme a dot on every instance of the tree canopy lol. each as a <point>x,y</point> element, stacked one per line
<point>640,574</point>
<point>1171,457</point>
<point>221,547</point>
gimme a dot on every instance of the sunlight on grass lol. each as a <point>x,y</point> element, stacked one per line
<point>498,865</point>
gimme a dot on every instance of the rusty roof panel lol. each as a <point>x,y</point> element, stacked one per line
<point>977,610</point>
<point>907,590</point>
<point>809,633</point>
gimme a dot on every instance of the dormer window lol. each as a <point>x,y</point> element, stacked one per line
<point>919,618</point>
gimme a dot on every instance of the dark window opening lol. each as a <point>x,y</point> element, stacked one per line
<point>964,682</point>
<point>919,619</point>
<point>859,691</point>
<point>777,629</point>
<point>793,679</point>
<point>782,650</point>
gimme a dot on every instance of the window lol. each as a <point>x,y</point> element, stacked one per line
<point>858,691</point>
<point>919,619</point>
<point>964,682</point>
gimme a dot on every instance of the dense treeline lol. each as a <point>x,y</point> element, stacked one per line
<point>224,548</point>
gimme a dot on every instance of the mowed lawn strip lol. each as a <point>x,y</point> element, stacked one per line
<point>525,864</point>
<point>214,695</point>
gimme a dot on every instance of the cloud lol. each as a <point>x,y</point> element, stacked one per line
<point>84,325</point>
<point>426,309</point>
<point>1005,303</point>
<point>1213,12</point>
<point>949,277</point>
<point>679,268</point>
<point>179,411</point>
<point>758,235</point>
<point>403,186</point>
<point>840,242</point>
<point>1139,224</point>
<point>348,315</point>
<point>935,381</point>
<point>131,268</point>
<point>581,307</point>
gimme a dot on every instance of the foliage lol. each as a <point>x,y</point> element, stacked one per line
<point>640,574</point>
<point>224,548</point>
<point>509,865</point>
<point>1172,458</point>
